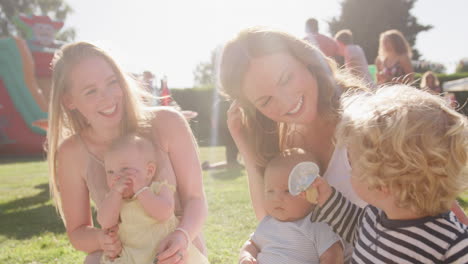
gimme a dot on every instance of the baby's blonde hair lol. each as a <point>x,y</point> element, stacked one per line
<point>144,146</point>
<point>409,141</point>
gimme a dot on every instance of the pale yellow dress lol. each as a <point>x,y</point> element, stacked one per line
<point>141,234</point>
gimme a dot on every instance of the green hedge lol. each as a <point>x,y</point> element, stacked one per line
<point>200,101</point>
<point>442,77</point>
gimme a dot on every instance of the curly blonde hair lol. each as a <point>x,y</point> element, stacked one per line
<point>268,136</point>
<point>409,141</point>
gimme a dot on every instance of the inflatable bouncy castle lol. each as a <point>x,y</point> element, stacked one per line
<point>25,78</point>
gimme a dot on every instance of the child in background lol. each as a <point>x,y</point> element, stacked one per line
<point>286,234</point>
<point>140,201</point>
<point>409,152</point>
<point>430,83</point>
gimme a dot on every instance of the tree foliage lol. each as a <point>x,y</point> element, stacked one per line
<point>55,9</point>
<point>368,18</point>
<point>205,72</point>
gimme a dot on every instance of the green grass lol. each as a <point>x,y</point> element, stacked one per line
<point>31,231</point>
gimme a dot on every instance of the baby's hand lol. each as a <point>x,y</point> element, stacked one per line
<point>247,260</point>
<point>138,178</point>
<point>324,190</point>
<point>122,183</point>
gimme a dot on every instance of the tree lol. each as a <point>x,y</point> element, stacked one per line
<point>205,72</point>
<point>55,9</point>
<point>368,18</point>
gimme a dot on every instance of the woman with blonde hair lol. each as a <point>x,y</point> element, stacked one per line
<point>394,58</point>
<point>430,83</point>
<point>92,104</point>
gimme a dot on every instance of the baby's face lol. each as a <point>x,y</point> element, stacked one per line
<point>279,203</point>
<point>122,162</point>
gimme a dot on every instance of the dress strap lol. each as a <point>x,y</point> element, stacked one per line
<point>94,157</point>
<point>162,183</point>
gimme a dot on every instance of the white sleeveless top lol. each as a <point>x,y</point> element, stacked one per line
<point>338,175</point>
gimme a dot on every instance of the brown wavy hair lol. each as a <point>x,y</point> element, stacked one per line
<point>268,136</point>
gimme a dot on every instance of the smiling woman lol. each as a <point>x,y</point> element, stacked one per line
<point>286,94</point>
<point>92,104</point>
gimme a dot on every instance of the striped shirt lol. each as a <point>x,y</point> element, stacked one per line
<point>377,239</point>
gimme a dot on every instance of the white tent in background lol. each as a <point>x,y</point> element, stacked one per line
<point>460,85</point>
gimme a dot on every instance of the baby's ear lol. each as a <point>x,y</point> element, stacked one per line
<point>151,169</point>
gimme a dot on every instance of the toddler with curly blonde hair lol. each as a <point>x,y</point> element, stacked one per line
<point>408,153</point>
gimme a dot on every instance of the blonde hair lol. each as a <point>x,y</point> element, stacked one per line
<point>409,141</point>
<point>424,79</point>
<point>64,123</point>
<point>398,41</point>
<point>144,145</point>
<point>266,135</point>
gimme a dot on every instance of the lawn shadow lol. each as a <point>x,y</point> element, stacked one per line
<point>40,217</point>
<point>23,159</point>
<point>226,174</point>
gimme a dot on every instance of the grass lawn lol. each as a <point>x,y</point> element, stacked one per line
<point>31,231</point>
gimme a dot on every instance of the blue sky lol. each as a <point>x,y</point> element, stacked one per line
<point>170,37</point>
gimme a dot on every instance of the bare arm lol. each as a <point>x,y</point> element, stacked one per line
<point>76,204</point>
<point>159,206</point>
<point>108,214</point>
<point>333,255</point>
<point>256,185</point>
<point>381,78</point>
<point>405,63</point>
<point>248,253</point>
<point>176,138</point>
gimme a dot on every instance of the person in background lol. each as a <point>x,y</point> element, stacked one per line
<point>219,126</point>
<point>430,83</point>
<point>354,57</point>
<point>394,58</point>
<point>150,87</point>
<point>326,44</point>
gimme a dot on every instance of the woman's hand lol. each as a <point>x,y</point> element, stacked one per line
<point>172,249</point>
<point>247,260</point>
<point>235,125</point>
<point>110,242</point>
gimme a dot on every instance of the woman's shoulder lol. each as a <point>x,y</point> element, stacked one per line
<point>167,125</point>
<point>164,114</point>
<point>71,148</point>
